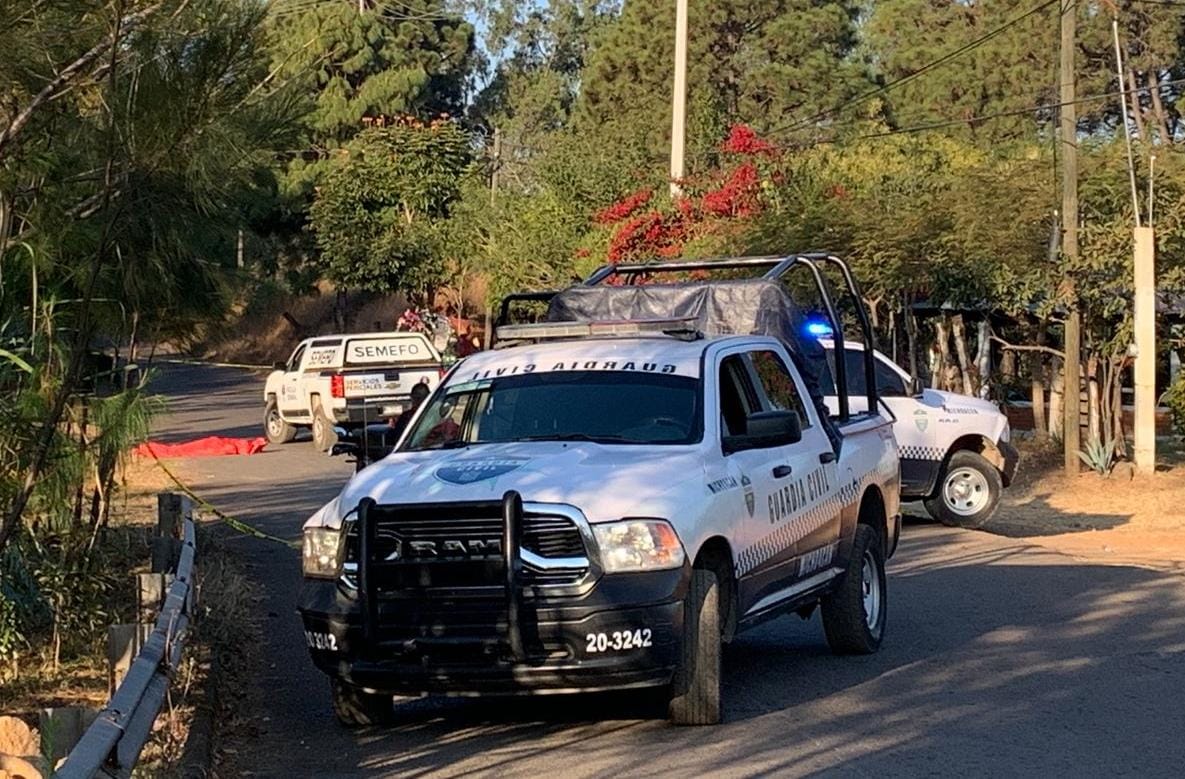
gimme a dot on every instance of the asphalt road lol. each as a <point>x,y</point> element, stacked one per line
<point>1000,659</point>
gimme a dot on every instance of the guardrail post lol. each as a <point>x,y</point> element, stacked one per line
<point>62,727</point>
<point>123,644</point>
<point>151,589</point>
<point>171,510</point>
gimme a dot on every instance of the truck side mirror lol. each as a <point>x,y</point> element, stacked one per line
<point>279,366</point>
<point>916,388</point>
<point>766,430</point>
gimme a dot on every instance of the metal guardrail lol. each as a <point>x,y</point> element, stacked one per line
<point>112,744</point>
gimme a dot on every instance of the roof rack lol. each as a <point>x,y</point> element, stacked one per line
<point>778,266</point>
<point>683,329</point>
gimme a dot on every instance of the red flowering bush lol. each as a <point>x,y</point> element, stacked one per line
<point>713,206</point>
<point>742,140</point>
<point>623,208</point>
<point>737,196</point>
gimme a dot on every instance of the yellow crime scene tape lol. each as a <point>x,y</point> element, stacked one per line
<point>187,361</point>
<point>233,522</point>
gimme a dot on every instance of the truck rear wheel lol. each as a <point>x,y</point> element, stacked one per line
<point>356,708</point>
<point>324,436</point>
<point>275,428</point>
<point>854,612</point>
<point>968,491</point>
<point>695,693</point>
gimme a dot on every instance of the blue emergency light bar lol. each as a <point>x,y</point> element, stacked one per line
<point>819,329</point>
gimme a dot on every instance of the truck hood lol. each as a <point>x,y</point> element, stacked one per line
<point>952,400</point>
<point>606,482</point>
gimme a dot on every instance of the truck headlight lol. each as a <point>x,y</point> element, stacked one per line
<point>638,545</point>
<point>322,552</point>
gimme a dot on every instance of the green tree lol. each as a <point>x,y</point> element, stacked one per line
<point>379,216</point>
<point>1010,63</point>
<point>130,136</point>
<point>351,62</point>
<point>766,64</point>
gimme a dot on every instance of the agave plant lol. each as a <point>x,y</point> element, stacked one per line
<point>1099,456</point>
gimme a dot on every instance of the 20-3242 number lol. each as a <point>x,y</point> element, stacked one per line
<point>618,640</point>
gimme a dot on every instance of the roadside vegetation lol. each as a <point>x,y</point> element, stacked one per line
<point>171,167</point>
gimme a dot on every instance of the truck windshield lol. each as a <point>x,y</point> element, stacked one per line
<point>600,406</point>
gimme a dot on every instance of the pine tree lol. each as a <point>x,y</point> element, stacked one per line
<point>1017,68</point>
<point>766,64</point>
<point>377,58</point>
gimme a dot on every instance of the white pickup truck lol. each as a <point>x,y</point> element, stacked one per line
<point>956,450</point>
<point>346,381</point>
<point>599,505</point>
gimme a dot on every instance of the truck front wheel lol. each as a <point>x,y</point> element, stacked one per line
<point>356,708</point>
<point>968,491</point>
<point>274,427</point>
<point>854,612</point>
<point>695,693</point>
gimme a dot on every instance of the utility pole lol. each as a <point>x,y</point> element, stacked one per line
<point>497,164</point>
<point>679,99</point>
<point>1144,324</point>
<point>1144,302</point>
<point>1068,137</point>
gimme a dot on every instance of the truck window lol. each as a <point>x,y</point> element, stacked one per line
<point>888,382</point>
<point>294,360</point>
<point>737,399</point>
<point>600,406</point>
<point>778,384</point>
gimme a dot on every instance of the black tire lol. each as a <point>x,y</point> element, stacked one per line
<point>356,708</point>
<point>846,620</point>
<point>324,436</point>
<point>968,491</point>
<point>275,429</point>
<point>695,691</point>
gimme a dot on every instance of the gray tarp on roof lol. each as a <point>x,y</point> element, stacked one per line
<point>741,307</point>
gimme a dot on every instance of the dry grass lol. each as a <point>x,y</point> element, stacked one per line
<point>259,333</point>
<point>1122,518</point>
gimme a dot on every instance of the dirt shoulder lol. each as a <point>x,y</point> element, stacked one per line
<point>1122,519</point>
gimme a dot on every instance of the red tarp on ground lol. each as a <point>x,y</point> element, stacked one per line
<point>203,447</point>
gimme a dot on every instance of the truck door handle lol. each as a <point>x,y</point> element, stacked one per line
<point>827,457</point>
<point>782,471</point>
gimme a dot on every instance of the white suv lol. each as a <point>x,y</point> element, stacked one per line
<point>956,452</point>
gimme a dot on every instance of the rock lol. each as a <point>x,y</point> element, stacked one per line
<point>18,768</point>
<point>17,738</point>
<point>1124,470</point>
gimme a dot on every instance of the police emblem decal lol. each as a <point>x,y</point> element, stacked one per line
<point>471,471</point>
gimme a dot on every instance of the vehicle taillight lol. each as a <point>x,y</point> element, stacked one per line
<point>337,385</point>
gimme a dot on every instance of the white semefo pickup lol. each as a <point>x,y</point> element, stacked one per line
<point>346,381</point>
<point>370,384</point>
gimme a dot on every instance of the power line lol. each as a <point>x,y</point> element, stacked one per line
<point>985,117</point>
<point>919,72</point>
